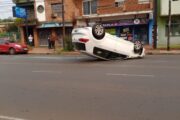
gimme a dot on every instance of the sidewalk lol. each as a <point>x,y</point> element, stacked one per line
<point>52,51</point>
<point>162,52</point>
<point>43,50</point>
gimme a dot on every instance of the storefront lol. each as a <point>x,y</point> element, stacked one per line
<point>131,29</point>
<point>46,29</point>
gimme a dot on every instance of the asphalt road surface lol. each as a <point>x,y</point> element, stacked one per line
<point>83,88</point>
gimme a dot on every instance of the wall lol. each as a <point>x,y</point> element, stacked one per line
<point>107,6</point>
<point>40,15</point>
<point>165,5</point>
<point>70,10</point>
<point>162,38</point>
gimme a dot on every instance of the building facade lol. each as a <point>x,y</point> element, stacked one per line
<point>45,18</point>
<point>129,19</point>
<point>163,8</point>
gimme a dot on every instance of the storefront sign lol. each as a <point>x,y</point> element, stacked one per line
<point>54,24</point>
<point>126,22</point>
<point>19,12</point>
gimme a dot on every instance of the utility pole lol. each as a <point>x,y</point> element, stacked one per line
<point>27,31</point>
<point>63,23</point>
<point>155,24</point>
<point>169,26</point>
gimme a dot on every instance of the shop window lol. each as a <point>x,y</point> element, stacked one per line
<point>126,33</point>
<point>175,28</point>
<point>111,31</point>
<point>56,10</point>
<point>119,3</point>
<point>89,7</point>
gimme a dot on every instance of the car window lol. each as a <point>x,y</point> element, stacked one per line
<point>2,42</point>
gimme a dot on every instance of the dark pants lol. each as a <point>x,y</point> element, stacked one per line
<point>53,44</point>
<point>49,44</point>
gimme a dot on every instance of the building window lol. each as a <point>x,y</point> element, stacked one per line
<point>119,3</point>
<point>56,9</point>
<point>143,1</point>
<point>175,27</point>
<point>89,7</point>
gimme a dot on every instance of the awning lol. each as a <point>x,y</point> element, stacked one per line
<point>53,25</point>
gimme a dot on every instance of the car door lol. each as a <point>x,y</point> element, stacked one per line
<point>3,46</point>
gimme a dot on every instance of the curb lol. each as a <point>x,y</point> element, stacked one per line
<point>78,53</point>
<point>62,53</point>
<point>163,53</point>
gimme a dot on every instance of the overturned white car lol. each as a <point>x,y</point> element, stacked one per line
<point>95,42</point>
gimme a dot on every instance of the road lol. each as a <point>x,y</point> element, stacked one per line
<point>82,88</point>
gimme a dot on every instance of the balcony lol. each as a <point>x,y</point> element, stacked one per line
<point>22,1</point>
<point>31,21</point>
<point>28,5</point>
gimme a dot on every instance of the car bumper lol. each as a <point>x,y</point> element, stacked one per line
<point>22,50</point>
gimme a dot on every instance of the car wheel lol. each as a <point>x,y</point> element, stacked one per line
<point>25,52</point>
<point>12,51</point>
<point>138,46</point>
<point>98,31</point>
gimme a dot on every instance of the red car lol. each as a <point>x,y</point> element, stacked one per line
<point>12,48</point>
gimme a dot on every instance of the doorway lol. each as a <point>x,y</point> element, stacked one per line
<point>141,33</point>
<point>28,32</point>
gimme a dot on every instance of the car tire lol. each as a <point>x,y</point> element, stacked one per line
<point>138,47</point>
<point>25,52</point>
<point>12,51</point>
<point>98,31</point>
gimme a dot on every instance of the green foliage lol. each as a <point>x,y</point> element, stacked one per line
<point>12,36</point>
<point>18,21</point>
<point>68,43</point>
<point>6,20</point>
<point>12,28</point>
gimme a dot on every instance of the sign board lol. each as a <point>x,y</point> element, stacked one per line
<point>19,12</point>
<point>126,22</point>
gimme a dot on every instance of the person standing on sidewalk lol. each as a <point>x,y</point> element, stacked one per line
<point>53,39</point>
<point>30,39</point>
<point>49,42</point>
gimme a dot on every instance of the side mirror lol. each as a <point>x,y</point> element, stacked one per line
<point>7,43</point>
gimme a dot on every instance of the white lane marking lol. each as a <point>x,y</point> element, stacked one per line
<point>42,71</point>
<point>10,118</point>
<point>129,75</point>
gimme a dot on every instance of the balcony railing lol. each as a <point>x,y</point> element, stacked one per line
<point>22,1</point>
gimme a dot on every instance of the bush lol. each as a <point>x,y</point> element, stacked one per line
<point>68,43</point>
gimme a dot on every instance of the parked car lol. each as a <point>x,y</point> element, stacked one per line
<point>12,48</point>
<point>95,42</point>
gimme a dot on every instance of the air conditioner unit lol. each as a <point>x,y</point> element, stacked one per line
<point>54,15</point>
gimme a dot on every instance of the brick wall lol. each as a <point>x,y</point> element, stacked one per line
<point>108,6</point>
<point>74,8</point>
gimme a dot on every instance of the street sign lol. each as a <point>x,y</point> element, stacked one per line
<point>19,12</point>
